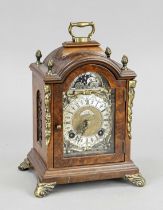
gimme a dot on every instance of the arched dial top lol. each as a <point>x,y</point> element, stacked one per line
<point>88,116</point>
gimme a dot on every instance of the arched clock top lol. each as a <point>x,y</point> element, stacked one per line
<point>67,59</point>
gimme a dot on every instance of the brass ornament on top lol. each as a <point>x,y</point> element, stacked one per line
<point>38,57</point>
<point>81,24</point>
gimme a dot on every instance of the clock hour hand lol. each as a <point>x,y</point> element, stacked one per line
<point>83,127</point>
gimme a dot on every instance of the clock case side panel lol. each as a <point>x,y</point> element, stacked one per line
<point>43,151</point>
<point>120,86</point>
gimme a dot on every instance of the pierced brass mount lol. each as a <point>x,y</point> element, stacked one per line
<point>131,95</point>
<point>50,67</point>
<point>47,90</point>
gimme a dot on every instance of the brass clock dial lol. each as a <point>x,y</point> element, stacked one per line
<point>84,118</point>
<point>88,118</point>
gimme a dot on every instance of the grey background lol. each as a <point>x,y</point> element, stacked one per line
<point>131,27</point>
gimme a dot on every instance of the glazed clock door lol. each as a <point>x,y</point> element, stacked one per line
<point>88,116</point>
<point>92,128</point>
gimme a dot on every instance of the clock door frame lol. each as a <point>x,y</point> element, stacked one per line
<point>119,121</point>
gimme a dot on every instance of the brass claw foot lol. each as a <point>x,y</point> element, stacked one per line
<point>25,165</point>
<point>135,179</point>
<point>43,189</point>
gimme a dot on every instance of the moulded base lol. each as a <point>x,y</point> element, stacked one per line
<point>80,173</point>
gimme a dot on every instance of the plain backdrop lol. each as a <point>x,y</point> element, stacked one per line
<point>134,28</point>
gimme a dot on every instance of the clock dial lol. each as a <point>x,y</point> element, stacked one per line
<point>88,118</point>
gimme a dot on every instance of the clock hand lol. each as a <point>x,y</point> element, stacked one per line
<point>83,126</point>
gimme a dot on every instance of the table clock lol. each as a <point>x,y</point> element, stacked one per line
<point>82,114</point>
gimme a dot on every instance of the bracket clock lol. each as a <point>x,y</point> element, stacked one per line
<point>82,113</point>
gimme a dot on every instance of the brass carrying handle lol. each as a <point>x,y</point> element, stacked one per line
<point>81,24</point>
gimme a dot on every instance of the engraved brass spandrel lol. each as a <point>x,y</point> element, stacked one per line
<point>47,89</point>
<point>50,67</point>
<point>131,95</point>
<point>76,92</point>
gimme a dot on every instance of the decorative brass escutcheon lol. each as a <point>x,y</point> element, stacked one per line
<point>81,24</point>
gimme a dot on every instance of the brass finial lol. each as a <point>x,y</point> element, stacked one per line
<point>108,52</point>
<point>38,57</point>
<point>50,66</point>
<point>124,62</point>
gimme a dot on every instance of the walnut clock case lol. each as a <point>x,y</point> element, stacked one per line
<point>82,113</point>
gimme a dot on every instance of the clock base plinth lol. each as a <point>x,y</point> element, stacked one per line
<point>85,173</point>
<point>48,178</point>
<point>135,179</point>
